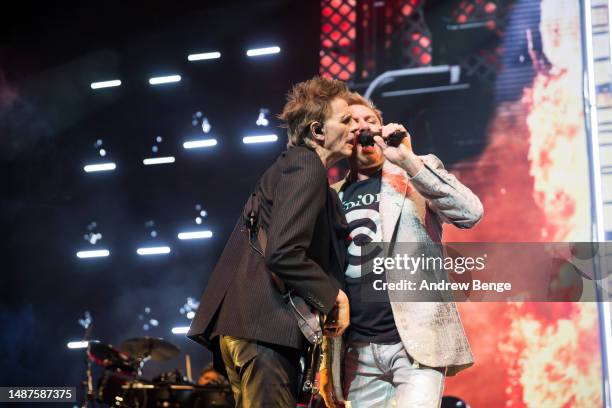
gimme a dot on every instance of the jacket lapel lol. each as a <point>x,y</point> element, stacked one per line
<point>393,187</point>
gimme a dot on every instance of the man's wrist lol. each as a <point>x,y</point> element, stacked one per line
<point>412,164</point>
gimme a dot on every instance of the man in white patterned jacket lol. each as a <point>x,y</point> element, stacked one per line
<point>398,352</point>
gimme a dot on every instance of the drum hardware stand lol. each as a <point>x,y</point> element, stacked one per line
<point>188,367</point>
<point>88,399</point>
<point>141,362</point>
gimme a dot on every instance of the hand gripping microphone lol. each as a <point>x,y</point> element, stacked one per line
<point>366,138</point>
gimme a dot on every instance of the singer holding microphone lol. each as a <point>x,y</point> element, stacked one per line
<point>397,352</point>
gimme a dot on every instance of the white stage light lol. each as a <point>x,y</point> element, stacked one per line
<point>77,344</point>
<point>204,56</point>
<point>180,330</point>
<point>99,253</point>
<point>195,144</point>
<point>153,250</point>
<point>165,79</point>
<point>90,168</point>
<point>261,119</point>
<point>195,235</point>
<point>105,84</point>
<point>255,52</point>
<point>259,139</point>
<point>158,160</point>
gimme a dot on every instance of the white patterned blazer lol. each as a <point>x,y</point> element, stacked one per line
<point>413,209</point>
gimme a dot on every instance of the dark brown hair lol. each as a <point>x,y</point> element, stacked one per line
<point>308,102</point>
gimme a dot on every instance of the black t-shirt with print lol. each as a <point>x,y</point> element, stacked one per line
<point>371,316</point>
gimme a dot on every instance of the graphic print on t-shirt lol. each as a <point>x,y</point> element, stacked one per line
<point>360,202</point>
<point>371,315</point>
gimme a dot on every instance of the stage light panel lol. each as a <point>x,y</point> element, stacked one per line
<point>98,253</point>
<point>256,52</point>
<point>77,344</point>
<point>158,160</point>
<point>91,168</point>
<point>180,330</point>
<point>164,79</point>
<point>196,144</point>
<point>153,250</point>
<point>259,139</point>
<point>204,56</point>
<point>195,235</point>
<point>105,84</point>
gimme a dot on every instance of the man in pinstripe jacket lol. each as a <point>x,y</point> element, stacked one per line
<point>242,316</point>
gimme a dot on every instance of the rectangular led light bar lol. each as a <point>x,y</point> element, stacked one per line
<point>77,344</point>
<point>105,84</point>
<point>180,330</point>
<point>98,253</point>
<point>165,79</point>
<point>195,235</point>
<point>196,144</point>
<point>153,250</point>
<point>158,160</point>
<point>90,168</point>
<point>255,52</point>
<point>259,139</point>
<point>204,56</point>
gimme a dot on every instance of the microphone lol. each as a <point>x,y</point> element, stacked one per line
<point>366,138</point>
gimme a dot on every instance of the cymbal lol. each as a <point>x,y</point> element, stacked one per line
<point>108,357</point>
<point>155,348</point>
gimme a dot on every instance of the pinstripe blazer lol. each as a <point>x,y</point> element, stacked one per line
<point>413,209</point>
<point>306,249</point>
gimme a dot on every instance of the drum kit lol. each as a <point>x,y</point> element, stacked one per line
<point>122,384</point>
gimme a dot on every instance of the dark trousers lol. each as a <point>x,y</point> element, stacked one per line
<point>261,374</point>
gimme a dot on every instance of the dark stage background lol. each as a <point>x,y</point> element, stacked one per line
<point>50,120</point>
